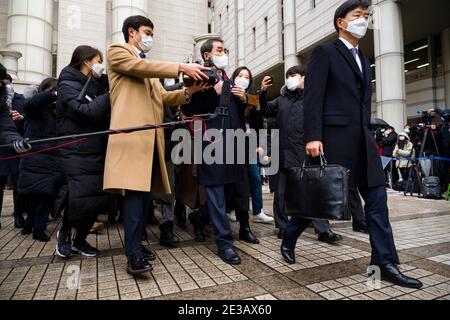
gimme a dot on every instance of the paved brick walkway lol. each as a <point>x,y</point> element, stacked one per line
<point>29,269</point>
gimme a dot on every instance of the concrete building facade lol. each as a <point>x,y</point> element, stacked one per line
<point>409,44</point>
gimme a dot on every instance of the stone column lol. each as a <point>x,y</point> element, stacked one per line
<point>30,31</point>
<point>290,38</point>
<point>122,9</point>
<point>10,60</point>
<point>389,62</point>
<point>240,33</point>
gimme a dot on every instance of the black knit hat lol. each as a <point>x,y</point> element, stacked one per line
<point>3,72</point>
<point>348,6</point>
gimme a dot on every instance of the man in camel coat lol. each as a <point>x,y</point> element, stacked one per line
<point>135,164</point>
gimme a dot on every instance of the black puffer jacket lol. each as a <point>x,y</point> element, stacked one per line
<point>39,172</point>
<point>288,111</point>
<point>82,163</point>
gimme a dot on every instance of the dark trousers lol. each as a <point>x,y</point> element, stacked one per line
<point>377,217</point>
<point>135,208</point>
<point>82,227</point>
<point>256,192</point>
<point>39,207</point>
<point>19,200</point>
<point>217,209</point>
<point>356,207</point>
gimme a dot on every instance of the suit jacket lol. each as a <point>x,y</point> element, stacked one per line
<point>138,98</point>
<point>337,109</point>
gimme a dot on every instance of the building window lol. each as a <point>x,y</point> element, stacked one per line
<point>266,28</point>
<point>220,23</point>
<point>254,38</point>
<point>228,14</point>
<point>313,4</point>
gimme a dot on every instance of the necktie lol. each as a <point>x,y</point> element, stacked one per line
<point>354,52</point>
<point>142,55</point>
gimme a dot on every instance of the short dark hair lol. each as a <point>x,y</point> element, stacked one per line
<point>238,70</point>
<point>348,6</point>
<point>135,22</point>
<point>48,84</point>
<point>9,78</point>
<point>83,53</point>
<point>301,70</point>
<point>208,46</point>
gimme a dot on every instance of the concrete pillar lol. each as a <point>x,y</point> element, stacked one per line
<point>10,60</point>
<point>290,38</point>
<point>446,59</point>
<point>240,33</point>
<point>122,9</point>
<point>30,31</point>
<point>389,62</point>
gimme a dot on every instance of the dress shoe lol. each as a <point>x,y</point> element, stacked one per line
<point>230,256</point>
<point>168,238</point>
<point>288,251</point>
<point>138,265</point>
<point>391,274</point>
<point>148,254</point>
<point>26,231</point>
<point>247,235</point>
<point>330,237</point>
<point>360,227</point>
<point>41,236</point>
<point>19,221</point>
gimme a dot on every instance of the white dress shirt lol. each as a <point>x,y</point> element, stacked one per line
<point>350,47</point>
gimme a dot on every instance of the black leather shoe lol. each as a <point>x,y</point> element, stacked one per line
<point>168,238</point>
<point>138,265</point>
<point>26,231</point>
<point>361,227</point>
<point>19,221</point>
<point>230,256</point>
<point>330,237</point>
<point>391,274</point>
<point>288,251</point>
<point>40,236</point>
<point>148,254</point>
<point>247,235</point>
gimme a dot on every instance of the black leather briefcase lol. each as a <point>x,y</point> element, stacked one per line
<point>318,192</point>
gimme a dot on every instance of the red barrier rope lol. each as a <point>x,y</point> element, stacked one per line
<point>60,146</point>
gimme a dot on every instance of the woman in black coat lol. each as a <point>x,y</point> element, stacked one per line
<point>82,163</point>
<point>39,173</point>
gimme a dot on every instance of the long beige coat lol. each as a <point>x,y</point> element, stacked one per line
<point>137,98</point>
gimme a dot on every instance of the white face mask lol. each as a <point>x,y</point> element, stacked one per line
<point>146,44</point>
<point>97,70</point>
<point>244,84</point>
<point>221,62</point>
<point>293,83</point>
<point>358,28</point>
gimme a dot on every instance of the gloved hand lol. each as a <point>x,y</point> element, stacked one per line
<point>21,146</point>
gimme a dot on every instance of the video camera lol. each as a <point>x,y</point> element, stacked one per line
<point>212,75</point>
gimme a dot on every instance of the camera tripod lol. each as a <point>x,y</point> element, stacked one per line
<point>415,173</point>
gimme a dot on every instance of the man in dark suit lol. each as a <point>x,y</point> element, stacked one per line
<point>337,117</point>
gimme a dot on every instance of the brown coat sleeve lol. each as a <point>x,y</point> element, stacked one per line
<point>122,61</point>
<point>173,98</point>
